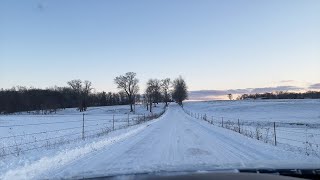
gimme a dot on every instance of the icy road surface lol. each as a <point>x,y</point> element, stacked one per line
<point>174,142</point>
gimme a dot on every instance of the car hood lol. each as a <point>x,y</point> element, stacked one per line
<point>195,168</point>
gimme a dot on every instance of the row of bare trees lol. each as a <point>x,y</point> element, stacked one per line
<point>165,91</point>
<point>152,93</point>
<point>156,90</point>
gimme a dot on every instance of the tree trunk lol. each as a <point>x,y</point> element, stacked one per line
<point>150,106</point>
<point>130,102</point>
<point>131,109</point>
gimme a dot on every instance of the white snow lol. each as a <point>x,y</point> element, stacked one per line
<point>17,130</point>
<point>297,121</point>
<point>296,110</point>
<point>31,171</point>
<point>173,142</point>
<point>23,144</point>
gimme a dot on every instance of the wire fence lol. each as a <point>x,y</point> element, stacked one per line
<point>293,136</point>
<point>85,126</point>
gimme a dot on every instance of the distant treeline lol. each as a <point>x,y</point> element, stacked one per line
<point>79,94</point>
<point>49,100</point>
<point>282,95</point>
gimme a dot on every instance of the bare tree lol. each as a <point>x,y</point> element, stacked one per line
<point>87,87</point>
<point>129,84</point>
<point>148,97</point>
<point>156,93</point>
<point>82,91</point>
<point>165,85</point>
<point>230,96</point>
<point>180,92</point>
<point>153,93</point>
<point>76,86</point>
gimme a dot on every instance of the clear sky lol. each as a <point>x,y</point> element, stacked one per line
<point>213,44</point>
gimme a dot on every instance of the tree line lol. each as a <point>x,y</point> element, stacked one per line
<point>79,94</point>
<point>282,95</point>
<point>156,90</point>
<point>44,101</point>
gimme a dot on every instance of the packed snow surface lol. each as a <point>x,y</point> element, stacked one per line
<point>175,141</point>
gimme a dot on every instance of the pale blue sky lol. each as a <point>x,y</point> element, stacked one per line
<point>213,44</point>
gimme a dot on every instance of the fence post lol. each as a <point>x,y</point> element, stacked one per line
<point>113,122</point>
<point>306,133</point>
<point>222,121</point>
<point>128,119</point>
<point>275,134</point>
<point>83,126</point>
<point>239,125</point>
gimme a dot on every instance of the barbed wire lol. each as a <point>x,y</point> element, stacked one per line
<point>43,132</point>
<point>59,122</point>
<point>84,129</point>
<point>217,118</point>
<point>237,122</point>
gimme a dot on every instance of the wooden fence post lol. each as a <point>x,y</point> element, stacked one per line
<point>275,134</point>
<point>128,119</point>
<point>306,133</point>
<point>113,122</point>
<point>222,121</point>
<point>83,126</point>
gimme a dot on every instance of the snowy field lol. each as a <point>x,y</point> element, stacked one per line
<point>173,142</point>
<point>297,122</point>
<point>25,136</point>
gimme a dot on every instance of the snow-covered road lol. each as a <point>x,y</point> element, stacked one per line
<point>175,142</point>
